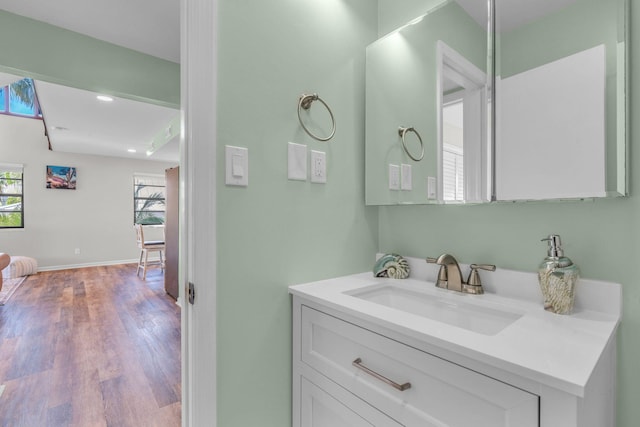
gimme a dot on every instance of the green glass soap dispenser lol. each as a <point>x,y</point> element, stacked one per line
<point>558,276</point>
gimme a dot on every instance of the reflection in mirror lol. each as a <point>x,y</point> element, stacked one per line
<point>453,148</point>
<point>430,75</point>
<point>560,99</point>
<point>463,142</point>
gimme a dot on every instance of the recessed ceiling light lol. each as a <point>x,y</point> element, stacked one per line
<point>58,128</point>
<point>104,98</point>
<point>131,150</point>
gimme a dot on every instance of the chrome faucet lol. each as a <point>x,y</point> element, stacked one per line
<point>450,276</point>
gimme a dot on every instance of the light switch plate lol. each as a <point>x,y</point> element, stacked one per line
<point>297,162</point>
<point>236,165</point>
<point>394,177</point>
<point>406,182</point>
<point>431,187</point>
<point>318,167</point>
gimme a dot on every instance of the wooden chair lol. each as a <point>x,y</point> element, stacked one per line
<point>145,247</point>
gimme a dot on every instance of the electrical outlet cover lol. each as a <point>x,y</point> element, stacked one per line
<point>318,167</point>
<point>406,182</point>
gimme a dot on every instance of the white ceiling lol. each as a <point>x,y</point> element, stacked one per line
<point>78,122</point>
<point>148,26</point>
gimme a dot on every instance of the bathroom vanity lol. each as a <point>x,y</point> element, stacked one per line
<point>373,351</point>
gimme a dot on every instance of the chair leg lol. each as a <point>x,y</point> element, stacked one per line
<point>146,263</point>
<point>140,262</point>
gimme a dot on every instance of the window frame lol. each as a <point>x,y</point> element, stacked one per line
<point>153,200</point>
<point>5,99</point>
<point>16,169</point>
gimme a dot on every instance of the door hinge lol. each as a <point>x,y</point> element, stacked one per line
<point>191,291</point>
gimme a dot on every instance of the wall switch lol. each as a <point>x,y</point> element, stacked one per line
<point>431,187</point>
<point>405,177</point>
<point>394,177</point>
<point>318,167</point>
<point>297,162</point>
<point>236,165</point>
<point>77,251</point>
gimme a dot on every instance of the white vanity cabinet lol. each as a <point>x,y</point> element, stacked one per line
<point>334,392</point>
<point>359,363</point>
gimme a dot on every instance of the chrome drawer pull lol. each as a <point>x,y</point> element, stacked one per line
<point>402,387</point>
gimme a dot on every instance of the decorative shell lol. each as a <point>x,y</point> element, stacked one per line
<point>391,265</point>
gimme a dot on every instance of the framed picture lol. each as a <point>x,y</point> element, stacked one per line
<point>62,177</point>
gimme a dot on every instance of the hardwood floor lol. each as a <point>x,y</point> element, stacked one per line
<point>90,347</point>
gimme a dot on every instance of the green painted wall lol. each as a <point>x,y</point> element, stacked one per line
<point>592,22</point>
<point>277,232</point>
<point>602,237</point>
<point>34,49</point>
<point>393,14</point>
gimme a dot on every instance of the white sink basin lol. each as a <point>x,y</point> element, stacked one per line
<point>451,310</point>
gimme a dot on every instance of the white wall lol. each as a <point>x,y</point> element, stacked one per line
<point>97,217</point>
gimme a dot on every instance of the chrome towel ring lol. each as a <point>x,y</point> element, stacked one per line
<point>402,131</point>
<point>305,103</point>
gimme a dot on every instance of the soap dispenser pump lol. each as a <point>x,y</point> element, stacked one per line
<point>558,276</point>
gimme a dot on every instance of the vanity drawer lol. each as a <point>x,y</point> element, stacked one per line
<point>336,407</point>
<point>440,393</point>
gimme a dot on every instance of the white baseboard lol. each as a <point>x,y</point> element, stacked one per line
<point>88,264</point>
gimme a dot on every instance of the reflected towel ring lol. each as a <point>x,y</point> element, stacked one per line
<point>402,131</point>
<point>305,102</point>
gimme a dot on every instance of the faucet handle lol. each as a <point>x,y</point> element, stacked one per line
<point>488,267</point>
<point>431,260</point>
<point>474,285</point>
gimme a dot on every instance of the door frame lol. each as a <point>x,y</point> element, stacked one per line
<point>198,252</point>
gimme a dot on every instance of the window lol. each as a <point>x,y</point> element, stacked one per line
<point>19,99</point>
<point>452,151</point>
<point>453,173</point>
<point>11,196</point>
<point>148,199</point>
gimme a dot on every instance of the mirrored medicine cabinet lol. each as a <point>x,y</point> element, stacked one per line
<point>521,100</point>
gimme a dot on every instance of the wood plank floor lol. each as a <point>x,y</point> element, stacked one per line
<point>90,347</point>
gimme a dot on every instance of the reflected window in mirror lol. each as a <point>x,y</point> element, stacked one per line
<point>453,150</point>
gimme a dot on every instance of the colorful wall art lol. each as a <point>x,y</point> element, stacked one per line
<point>62,177</point>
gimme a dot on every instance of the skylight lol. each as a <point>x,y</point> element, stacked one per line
<point>19,99</point>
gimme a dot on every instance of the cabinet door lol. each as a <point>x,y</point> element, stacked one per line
<point>321,409</point>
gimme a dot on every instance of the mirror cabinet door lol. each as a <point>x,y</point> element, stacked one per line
<point>560,84</point>
<point>429,76</point>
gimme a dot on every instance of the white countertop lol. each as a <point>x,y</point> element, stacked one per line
<point>560,351</point>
